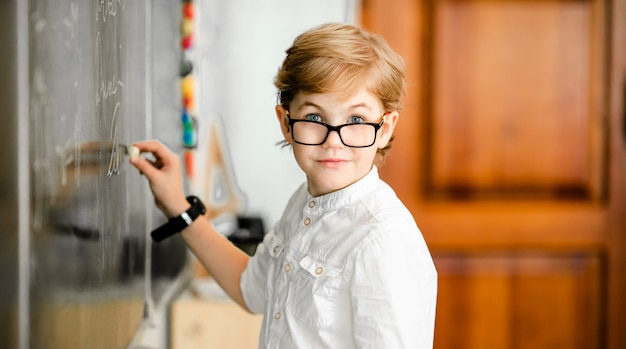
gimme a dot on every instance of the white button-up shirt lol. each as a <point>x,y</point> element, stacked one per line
<point>349,269</point>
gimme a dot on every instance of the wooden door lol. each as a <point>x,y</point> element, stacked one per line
<point>511,156</point>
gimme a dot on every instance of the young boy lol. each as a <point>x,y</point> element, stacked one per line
<point>346,265</point>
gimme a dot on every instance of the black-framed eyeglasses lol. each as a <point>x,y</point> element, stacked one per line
<point>358,135</point>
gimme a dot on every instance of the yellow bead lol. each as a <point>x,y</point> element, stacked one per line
<point>186,26</point>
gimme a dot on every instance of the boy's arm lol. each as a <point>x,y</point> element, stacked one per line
<point>222,260</point>
<point>220,257</point>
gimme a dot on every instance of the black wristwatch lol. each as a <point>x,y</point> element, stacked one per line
<point>176,224</point>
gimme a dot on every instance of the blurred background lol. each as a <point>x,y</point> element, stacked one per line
<point>511,155</point>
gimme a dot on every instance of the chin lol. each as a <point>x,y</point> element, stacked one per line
<point>329,186</point>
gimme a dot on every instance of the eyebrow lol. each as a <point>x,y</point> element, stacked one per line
<point>354,106</point>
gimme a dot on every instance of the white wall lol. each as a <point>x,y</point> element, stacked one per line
<point>241,45</point>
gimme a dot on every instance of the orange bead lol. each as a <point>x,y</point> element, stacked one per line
<point>188,93</point>
<point>189,159</point>
<point>188,10</point>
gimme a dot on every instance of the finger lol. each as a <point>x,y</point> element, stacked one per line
<point>158,149</point>
<point>144,166</point>
<point>155,163</point>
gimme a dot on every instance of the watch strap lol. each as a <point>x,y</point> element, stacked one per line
<point>176,224</point>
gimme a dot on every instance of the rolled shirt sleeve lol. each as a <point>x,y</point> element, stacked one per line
<point>254,278</point>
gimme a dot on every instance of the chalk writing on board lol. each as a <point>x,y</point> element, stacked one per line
<point>108,86</point>
<point>107,9</point>
<point>116,155</point>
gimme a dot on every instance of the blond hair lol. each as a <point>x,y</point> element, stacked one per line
<point>342,58</point>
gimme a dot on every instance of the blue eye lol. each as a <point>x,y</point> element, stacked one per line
<point>355,119</point>
<point>313,117</point>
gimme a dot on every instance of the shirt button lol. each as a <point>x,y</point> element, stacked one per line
<point>276,248</point>
<point>287,267</point>
<point>277,316</point>
<point>312,204</point>
<point>319,270</point>
<point>307,221</point>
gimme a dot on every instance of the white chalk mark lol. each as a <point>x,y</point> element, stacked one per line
<point>115,159</point>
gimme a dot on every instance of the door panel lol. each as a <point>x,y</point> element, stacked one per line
<point>513,99</point>
<point>511,157</point>
<point>491,300</point>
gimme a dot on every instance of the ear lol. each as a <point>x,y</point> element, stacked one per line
<point>281,115</point>
<point>386,131</point>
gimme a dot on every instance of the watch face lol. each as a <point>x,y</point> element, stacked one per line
<point>195,201</point>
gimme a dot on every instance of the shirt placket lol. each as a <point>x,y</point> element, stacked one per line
<point>278,323</point>
<point>276,326</point>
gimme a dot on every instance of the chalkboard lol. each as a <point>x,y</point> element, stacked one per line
<point>92,273</point>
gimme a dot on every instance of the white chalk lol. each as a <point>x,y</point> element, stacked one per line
<point>133,151</point>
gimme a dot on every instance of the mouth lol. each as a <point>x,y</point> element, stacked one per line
<point>332,162</point>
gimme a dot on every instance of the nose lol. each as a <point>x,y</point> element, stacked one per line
<point>333,140</point>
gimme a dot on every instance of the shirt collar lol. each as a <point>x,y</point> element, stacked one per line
<point>347,195</point>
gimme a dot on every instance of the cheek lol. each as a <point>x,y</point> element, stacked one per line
<point>301,153</point>
<point>366,155</point>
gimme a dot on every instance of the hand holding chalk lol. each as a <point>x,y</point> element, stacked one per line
<point>163,173</point>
